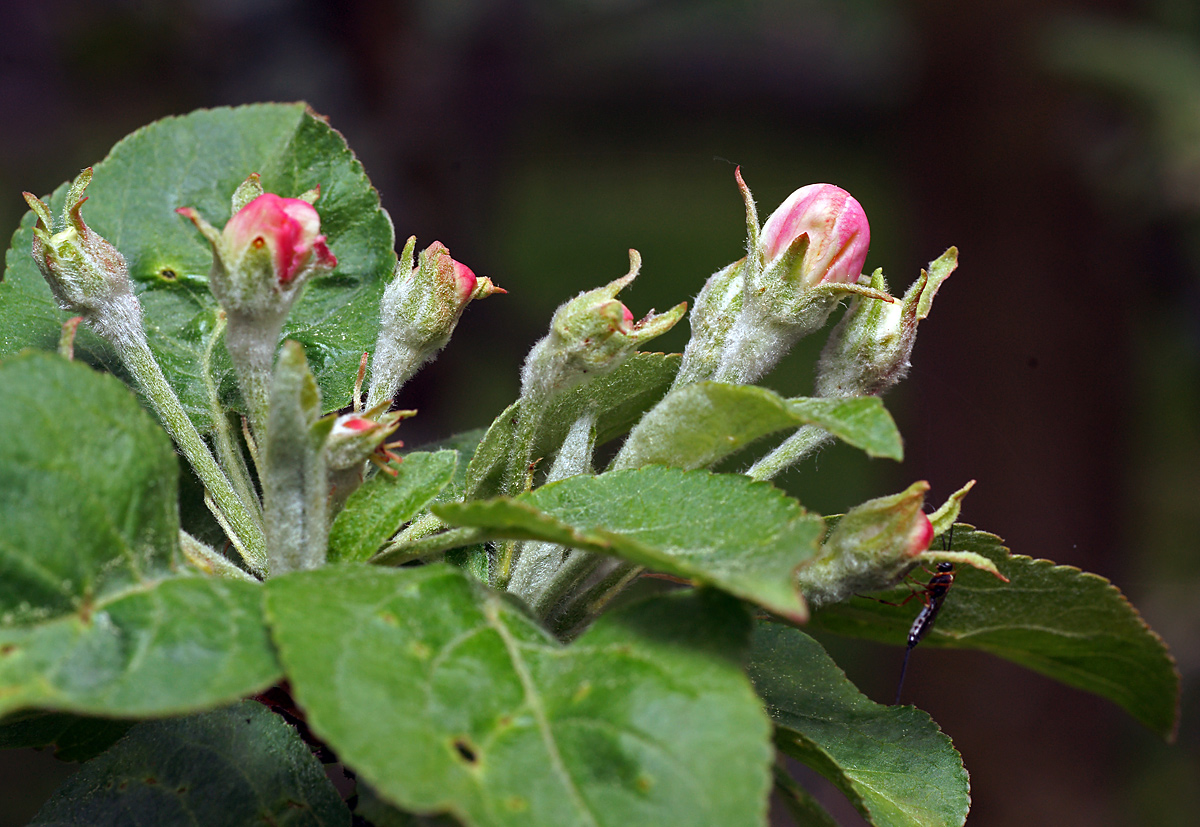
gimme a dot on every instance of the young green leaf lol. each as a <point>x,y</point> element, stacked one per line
<point>619,399</point>
<point>445,697</point>
<point>893,763</point>
<point>1066,624</point>
<point>384,503</point>
<point>87,489</point>
<point>241,766</point>
<point>198,160</point>
<point>722,530</point>
<point>698,425</point>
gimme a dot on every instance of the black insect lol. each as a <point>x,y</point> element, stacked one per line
<point>934,595</point>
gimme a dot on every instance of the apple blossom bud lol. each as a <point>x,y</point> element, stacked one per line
<point>818,235</point>
<point>262,258</point>
<point>870,549</point>
<point>355,439</point>
<point>266,250</point>
<point>418,313</point>
<point>87,275</point>
<point>869,350</point>
<point>591,335</point>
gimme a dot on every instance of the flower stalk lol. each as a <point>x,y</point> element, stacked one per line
<point>89,277</point>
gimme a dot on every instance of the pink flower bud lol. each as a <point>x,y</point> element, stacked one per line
<point>920,536</point>
<point>262,259</point>
<point>870,549</point>
<point>283,233</point>
<point>418,312</point>
<point>289,227</point>
<point>828,226</point>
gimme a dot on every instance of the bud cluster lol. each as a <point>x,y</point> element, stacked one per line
<point>808,254</point>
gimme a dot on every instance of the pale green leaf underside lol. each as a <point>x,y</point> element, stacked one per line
<point>242,766</point>
<point>198,160</point>
<point>698,425</point>
<point>723,530</point>
<point>447,698</point>
<point>1066,624</point>
<point>384,503</point>
<point>893,763</point>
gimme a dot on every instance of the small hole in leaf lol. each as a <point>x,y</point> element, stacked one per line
<point>465,751</point>
<point>168,274</point>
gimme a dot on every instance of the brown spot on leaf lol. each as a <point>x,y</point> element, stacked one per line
<point>466,751</point>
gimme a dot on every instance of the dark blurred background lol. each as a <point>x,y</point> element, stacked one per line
<point>1057,144</point>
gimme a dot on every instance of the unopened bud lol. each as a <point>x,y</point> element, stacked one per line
<point>262,258</point>
<point>590,336</point>
<point>266,251</point>
<point>87,275</point>
<point>809,254</point>
<point>869,350</point>
<point>870,549</point>
<point>418,313</point>
<point>818,235</point>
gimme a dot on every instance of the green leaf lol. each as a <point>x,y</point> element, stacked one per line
<point>893,763</point>
<point>861,421</point>
<point>698,425</point>
<point>445,697</point>
<point>74,737</point>
<point>383,504</point>
<point>177,646</point>
<point>94,618</point>
<point>620,399</point>
<point>87,489</point>
<point>1069,625</point>
<point>237,766</point>
<point>198,160</point>
<point>723,530</point>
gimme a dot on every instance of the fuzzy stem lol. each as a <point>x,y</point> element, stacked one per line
<point>252,345</point>
<point>228,455</point>
<point>799,445</point>
<point>135,352</point>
